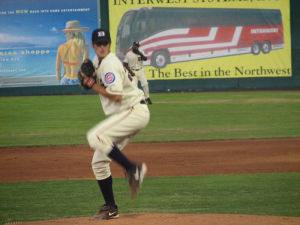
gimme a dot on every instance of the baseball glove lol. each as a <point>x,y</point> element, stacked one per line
<point>86,74</point>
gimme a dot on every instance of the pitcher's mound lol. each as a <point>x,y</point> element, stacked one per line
<point>176,219</point>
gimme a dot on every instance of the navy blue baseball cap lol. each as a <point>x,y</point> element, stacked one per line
<point>101,36</point>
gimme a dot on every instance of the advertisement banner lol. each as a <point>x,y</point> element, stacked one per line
<point>195,39</point>
<point>42,42</point>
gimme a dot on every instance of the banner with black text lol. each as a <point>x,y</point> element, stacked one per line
<point>195,39</point>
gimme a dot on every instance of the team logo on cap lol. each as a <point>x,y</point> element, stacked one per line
<point>109,78</point>
<point>101,34</point>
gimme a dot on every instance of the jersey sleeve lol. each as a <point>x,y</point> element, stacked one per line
<point>111,79</point>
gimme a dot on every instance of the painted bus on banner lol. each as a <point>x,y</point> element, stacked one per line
<point>170,35</point>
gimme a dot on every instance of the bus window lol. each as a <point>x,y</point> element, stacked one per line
<point>202,33</point>
<point>139,27</point>
<point>125,31</point>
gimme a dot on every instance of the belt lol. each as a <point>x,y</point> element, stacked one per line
<point>142,102</point>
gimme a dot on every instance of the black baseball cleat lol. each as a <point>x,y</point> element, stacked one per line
<point>106,212</point>
<point>148,100</point>
<point>135,178</point>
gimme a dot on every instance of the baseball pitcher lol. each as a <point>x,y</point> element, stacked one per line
<point>127,113</point>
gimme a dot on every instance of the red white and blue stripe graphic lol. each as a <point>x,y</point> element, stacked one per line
<point>196,43</point>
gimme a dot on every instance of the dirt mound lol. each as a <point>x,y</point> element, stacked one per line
<point>163,159</point>
<point>177,219</point>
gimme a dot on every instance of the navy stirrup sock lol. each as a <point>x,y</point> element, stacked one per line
<point>107,191</point>
<point>121,159</point>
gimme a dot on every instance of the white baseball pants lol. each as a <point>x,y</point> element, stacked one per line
<point>117,129</point>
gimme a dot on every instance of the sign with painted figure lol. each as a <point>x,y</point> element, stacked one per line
<point>44,42</point>
<point>205,39</point>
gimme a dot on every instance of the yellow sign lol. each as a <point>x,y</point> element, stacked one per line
<point>194,39</point>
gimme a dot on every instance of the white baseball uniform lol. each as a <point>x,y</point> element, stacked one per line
<point>125,118</point>
<point>135,63</point>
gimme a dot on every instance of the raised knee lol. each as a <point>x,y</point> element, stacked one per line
<point>100,142</point>
<point>92,140</point>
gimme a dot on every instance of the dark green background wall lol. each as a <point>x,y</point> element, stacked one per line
<point>196,84</point>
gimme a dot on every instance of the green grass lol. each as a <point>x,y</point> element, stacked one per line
<point>64,120</point>
<point>259,194</point>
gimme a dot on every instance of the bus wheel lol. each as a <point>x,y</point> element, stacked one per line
<point>266,47</point>
<point>255,48</point>
<point>160,59</point>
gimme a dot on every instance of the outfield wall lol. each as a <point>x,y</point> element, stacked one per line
<point>292,82</point>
